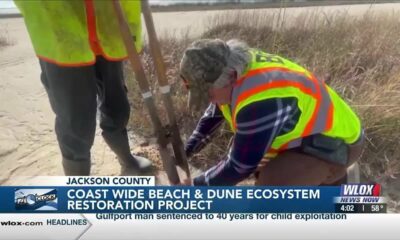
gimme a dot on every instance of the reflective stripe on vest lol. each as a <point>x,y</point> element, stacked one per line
<point>269,78</point>
<point>272,79</point>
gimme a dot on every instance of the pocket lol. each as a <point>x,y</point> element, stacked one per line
<point>333,150</point>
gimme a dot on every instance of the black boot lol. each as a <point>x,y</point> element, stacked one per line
<point>119,144</point>
<point>76,168</point>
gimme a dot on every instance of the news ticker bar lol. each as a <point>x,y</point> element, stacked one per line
<point>130,194</point>
<point>56,199</point>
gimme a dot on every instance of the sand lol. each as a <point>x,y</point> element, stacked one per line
<point>28,145</point>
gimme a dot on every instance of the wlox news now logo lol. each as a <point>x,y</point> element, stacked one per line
<point>36,199</point>
<point>360,193</point>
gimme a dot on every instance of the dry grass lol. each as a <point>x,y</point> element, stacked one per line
<point>358,57</point>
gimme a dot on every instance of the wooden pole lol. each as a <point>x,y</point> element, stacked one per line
<point>134,59</point>
<point>155,48</point>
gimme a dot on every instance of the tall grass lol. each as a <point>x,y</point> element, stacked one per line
<point>358,57</point>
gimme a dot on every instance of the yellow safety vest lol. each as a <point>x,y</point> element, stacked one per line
<point>72,33</point>
<point>322,110</point>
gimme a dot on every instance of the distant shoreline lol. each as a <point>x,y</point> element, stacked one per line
<point>229,6</point>
<point>10,15</point>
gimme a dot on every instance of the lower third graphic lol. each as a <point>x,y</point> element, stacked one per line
<point>36,199</point>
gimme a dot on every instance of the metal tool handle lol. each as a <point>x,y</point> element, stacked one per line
<point>134,59</point>
<point>155,48</point>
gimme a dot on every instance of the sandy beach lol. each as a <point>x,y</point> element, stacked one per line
<point>28,145</point>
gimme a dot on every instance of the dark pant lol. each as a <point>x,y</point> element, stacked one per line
<point>293,167</point>
<point>75,93</point>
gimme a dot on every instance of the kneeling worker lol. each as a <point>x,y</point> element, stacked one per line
<point>290,127</point>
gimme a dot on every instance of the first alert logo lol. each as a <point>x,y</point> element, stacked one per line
<point>36,199</point>
<point>32,199</point>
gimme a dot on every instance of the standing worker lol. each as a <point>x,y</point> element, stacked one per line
<point>290,128</point>
<point>80,51</point>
